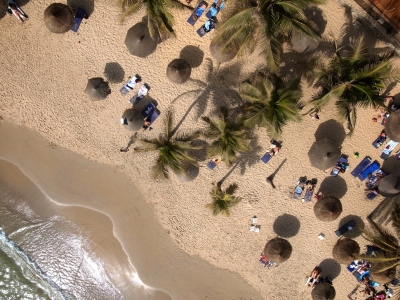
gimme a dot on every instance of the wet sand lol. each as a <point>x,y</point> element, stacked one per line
<point>106,203</point>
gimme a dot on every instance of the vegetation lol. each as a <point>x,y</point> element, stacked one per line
<point>160,20</point>
<point>172,150</point>
<point>264,23</point>
<point>223,201</point>
<point>353,79</point>
<point>271,102</point>
<point>229,135</point>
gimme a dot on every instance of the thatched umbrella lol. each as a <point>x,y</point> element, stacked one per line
<point>324,154</point>
<point>328,209</point>
<point>278,250</point>
<point>219,55</point>
<point>58,18</point>
<point>389,185</point>
<point>383,277</point>
<point>323,291</point>
<point>346,250</point>
<point>191,172</point>
<point>178,70</point>
<point>139,42</point>
<point>392,126</point>
<point>97,88</point>
<point>134,119</point>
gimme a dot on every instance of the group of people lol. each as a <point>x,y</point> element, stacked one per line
<point>315,278</point>
<point>383,112</point>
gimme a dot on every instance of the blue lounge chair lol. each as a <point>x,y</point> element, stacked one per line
<point>150,114</point>
<point>197,13</point>
<point>346,227</point>
<point>340,165</point>
<point>369,170</point>
<point>299,188</point>
<point>266,157</point>
<point>372,195</point>
<point>207,27</point>
<point>214,10</point>
<point>80,14</point>
<point>380,140</point>
<point>130,85</point>
<point>309,193</point>
<point>388,149</point>
<point>361,166</point>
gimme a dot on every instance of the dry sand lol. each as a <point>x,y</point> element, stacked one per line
<point>43,79</point>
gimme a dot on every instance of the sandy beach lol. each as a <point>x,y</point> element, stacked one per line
<point>68,146</point>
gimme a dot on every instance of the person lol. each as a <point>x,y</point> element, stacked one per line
<point>210,24</point>
<point>312,279</point>
<point>199,11</point>
<point>146,123</point>
<point>314,116</point>
<point>14,9</point>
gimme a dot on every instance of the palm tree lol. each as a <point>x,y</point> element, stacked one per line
<point>172,150</point>
<point>271,102</point>
<point>265,23</point>
<point>159,18</point>
<point>353,79</point>
<point>229,135</point>
<point>223,201</point>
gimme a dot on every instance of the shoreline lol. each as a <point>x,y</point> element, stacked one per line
<point>149,248</point>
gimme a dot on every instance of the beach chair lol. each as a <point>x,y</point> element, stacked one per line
<point>150,114</point>
<point>144,89</point>
<point>342,164</point>
<point>207,27</point>
<point>214,162</point>
<point>79,15</point>
<point>380,140</point>
<point>372,195</point>
<point>346,227</point>
<point>388,149</point>
<point>361,166</point>
<point>14,9</point>
<point>374,179</point>
<point>299,188</point>
<point>196,14</point>
<point>214,10</point>
<point>309,193</point>
<point>130,85</point>
<point>353,266</point>
<point>369,170</point>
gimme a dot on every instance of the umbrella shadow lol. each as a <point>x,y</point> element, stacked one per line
<point>286,226</point>
<point>86,5</point>
<point>114,72</point>
<point>193,55</point>
<point>391,166</point>
<point>250,158</point>
<point>333,186</point>
<point>316,14</point>
<point>355,232</point>
<point>330,268</point>
<point>332,130</point>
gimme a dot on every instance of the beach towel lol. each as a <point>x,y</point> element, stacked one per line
<point>340,165</point>
<point>388,149</point>
<point>196,14</point>
<point>369,170</point>
<point>80,14</point>
<point>266,157</point>
<point>380,140</point>
<point>130,85</point>
<point>361,166</point>
<point>211,165</point>
<point>214,10</point>
<point>372,195</point>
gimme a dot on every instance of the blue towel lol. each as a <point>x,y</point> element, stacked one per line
<point>80,14</point>
<point>361,166</point>
<point>369,170</point>
<point>266,157</point>
<point>211,165</point>
<point>197,13</point>
<point>148,110</point>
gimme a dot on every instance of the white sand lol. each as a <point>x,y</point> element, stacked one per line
<point>43,79</point>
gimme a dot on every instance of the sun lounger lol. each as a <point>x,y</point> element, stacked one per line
<point>374,179</point>
<point>130,85</point>
<point>144,89</point>
<point>369,170</point>
<point>388,149</point>
<point>206,28</point>
<point>150,114</point>
<point>372,195</point>
<point>361,166</point>
<point>214,162</point>
<point>214,10</point>
<point>15,10</point>
<point>340,165</point>
<point>80,14</point>
<point>310,190</point>
<point>298,190</point>
<point>266,157</point>
<point>380,140</point>
<point>346,227</point>
<point>196,14</point>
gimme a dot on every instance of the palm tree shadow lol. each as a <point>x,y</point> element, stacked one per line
<point>270,178</point>
<point>250,158</point>
<point>219,183</point>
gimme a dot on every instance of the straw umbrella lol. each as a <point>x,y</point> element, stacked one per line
<point>389,186</point>
<point>383,277</point>
<point>3,8</point>
<point>191,172</point>
<point>139,42</point>
<point>324,154</point>
<point>58,18</point>
<point>328,209</point>
<point>278,250</point>
<point>392,126</point>
<point>97,88</point>
<point>323,291</point>
<point>216,52</point>
<point>178,70</point>
<point>134,119</point>
<point>346,250</point>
